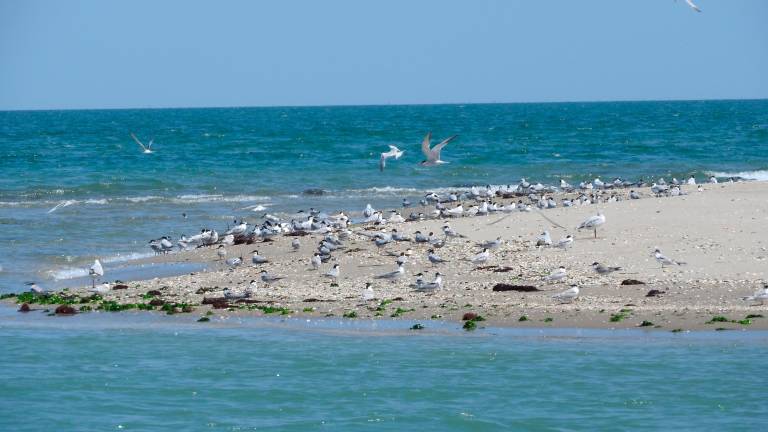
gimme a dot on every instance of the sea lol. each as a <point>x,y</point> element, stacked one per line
<point>74,187</point>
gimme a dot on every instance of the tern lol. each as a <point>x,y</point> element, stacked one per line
<point>257,259</point>
<point>604,270</point>
<point>101,288</point>
<point>557,275</point>
<point>434,258</point>
<point>394,274</point>
<point>592,222</point>
<point>268,278</point>
<point>232,294</point>
<point>234,262</point>
<point>760,296</point>
<point>544,239</point>
<point>96,271</point>
<point>295,244</point>
<point>432,155</point>
<point>568,295</point>
<point>481,257</point>
<point>367,294</point>
<point>491,244</point>
<point>565,242</point>
<point>221,252</point>
<point>436,284</point>
<point>146,149</point>
<point>33,287</point>
<point>333,273</point>
<point>315,261</point>
<point>393,152</point>
<point>663,260</point>
<point>692,5</point>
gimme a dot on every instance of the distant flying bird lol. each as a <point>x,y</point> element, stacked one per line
<point>147,148</point>
<point>432,155</point>
<point>393,152</point>
<point>692,5</point>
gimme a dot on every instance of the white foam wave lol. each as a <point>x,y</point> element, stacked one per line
<point>203,198</point>
<point>141,199</point>
<point>130,256</point>
<point>68,273</point>
<point>759,175</point>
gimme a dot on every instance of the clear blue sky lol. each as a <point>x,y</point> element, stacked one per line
<point>114,54</point>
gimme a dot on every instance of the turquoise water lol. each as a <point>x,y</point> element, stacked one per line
<point>217,164</point>
<point>154,372</point>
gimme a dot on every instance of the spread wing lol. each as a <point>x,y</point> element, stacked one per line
<point>425,145</point>
<point>693,6</point>
<point>138,142</point>
<point>436,149</point>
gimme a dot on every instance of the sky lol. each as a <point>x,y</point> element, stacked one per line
<point>148,54</point>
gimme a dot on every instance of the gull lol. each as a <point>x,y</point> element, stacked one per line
<point>221,252</point>
<point>436,284</point>
<point>593,222</point>
<point>663,260</point>
<point>434,258</point>
<point>393,275</point>
<point>258,259</point>
<point>760,296</point>
<point>557,275</point>
<point>491,244</point>
<point>147,149</point>
<point>692,5</point>
<point>367,294</point>
<point>101,288</point>
<point>333,273</point>
<point>568,295</point>
<point>565,242</point>
<point>544,239</point>
<point>96,271</point>
<point>295,244</point>
<point>315,261</point>
<point>604,270</point>
<point>481,257</point>
<point>393,152</point>
<point>433,154</point>
<point>266,277</point>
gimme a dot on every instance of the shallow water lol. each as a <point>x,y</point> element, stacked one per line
<point>74,186</point>
<point>146,371</point>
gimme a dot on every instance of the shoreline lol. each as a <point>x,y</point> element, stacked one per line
<point>718,232</point>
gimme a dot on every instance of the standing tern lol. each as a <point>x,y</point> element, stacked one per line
<point>393,275</point>
<point>568,295</point>
<point>432,155</point>
<point>663,260</point>
<point>557,275</point>
<point>604,270</point>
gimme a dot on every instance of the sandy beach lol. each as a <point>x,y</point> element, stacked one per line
<point>720,233</point>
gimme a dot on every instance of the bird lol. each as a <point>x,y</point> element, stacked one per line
<point>101,288</point>
<point>760,296</point>
<point>146,149</point>
<point>234,262</point>
<point>481,257</point>
<point>436,284</point>
<point>232,294</point>
<point>491,244</point>
<point>367,294</point>
<point>393,152</point>
<point>257,259</point>
<point>268,278</point>
<point>450,232</point>
<point>604,270</point>
<point>394,274</point>
<point>663,260</point>
<point>33,287</point>
<point>316,260</point>
<point>557,275</point>
<point>295,244</point>
<point>402,259</point>
<point>221,251</point>
<point>333,273</point>
<point>544,239</point>
<point>96,271</point>
<point>432,155</point>
<point>592,222</point>
<point>692,5</point>
<point>565,242</point>
<point>568,295</point>
<point>434,258</point>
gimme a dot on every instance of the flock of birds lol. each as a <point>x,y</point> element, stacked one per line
<point>334,230</point>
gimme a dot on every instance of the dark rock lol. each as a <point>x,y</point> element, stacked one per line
<point>632,282</point>
<point>654,293</point>
<point>24,308</point>
<point>314,300</point>
<point>154,293</point>
<point>65,310</point>
<point>314,191</point>
<point>157,302</point>
<point>216,302</point>
<point>503,269</point>
<point>519,288</point>
<point>469,316</point>
<point>119,286</point>
<point>205,290</point>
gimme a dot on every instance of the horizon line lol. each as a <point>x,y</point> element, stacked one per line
<point>342,105</point>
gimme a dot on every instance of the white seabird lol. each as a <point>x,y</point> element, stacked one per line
<point>568,295</point>
<point>393,152</point>
<point>146,149</point>
<point>432,155</point>
<point>593,222</point>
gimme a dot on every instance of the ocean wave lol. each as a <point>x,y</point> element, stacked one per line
<point>129,256</point>
<point>759,175</point>
<point>203,198</point>
<point>68,273</point>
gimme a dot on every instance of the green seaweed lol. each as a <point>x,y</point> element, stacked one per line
<point>646,324</point>
<point>744,322</point>
<point>399,311</point>
<point>523,318</point>
<point>677,330</point>
<point>203,319</point>
<point>718,318</point>
<point>617,317</point>
<point>548,319</point>
<point>308,309</point>
<point>350,314</point>
<point>470,325</point>
<point>750,316</point>
<point>85,308</point>
<point>7,296</point>
<point>417,326</point>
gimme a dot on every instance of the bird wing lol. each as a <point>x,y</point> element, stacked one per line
<point>138,142</point>
<point>439,147</point>
<point>425,145</point>
<point>693,6</point>
<point>382,162</point>
<point>149,145</point>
